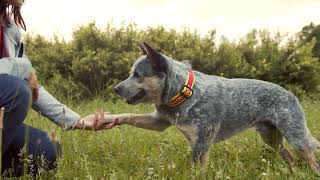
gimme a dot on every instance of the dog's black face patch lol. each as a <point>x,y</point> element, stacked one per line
<point>142,85</point>
<point>143,67</point>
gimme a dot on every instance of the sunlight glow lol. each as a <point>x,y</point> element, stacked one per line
<point>230,18</point>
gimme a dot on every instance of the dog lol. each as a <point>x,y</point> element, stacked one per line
<point>209,109</point>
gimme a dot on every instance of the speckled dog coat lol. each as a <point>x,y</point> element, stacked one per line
<point>218,108</point>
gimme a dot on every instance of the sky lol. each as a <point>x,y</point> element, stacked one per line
<point>230,18</point>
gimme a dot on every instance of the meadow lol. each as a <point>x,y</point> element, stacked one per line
<point>131,153</point>
<point>85,69</point>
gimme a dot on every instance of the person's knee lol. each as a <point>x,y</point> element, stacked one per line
<point>53,155</point>
<point>56,151</point>
<point>15,93</point>
<point>18,94</point>
<point>45,158</point>
<point>43,151</point>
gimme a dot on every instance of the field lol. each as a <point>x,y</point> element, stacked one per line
<point>132,153</point>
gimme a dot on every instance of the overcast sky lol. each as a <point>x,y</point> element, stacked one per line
<point>231,18</point>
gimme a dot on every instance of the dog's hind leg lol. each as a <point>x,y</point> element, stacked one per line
<point>292,125</point>
<point>300,142</point>
<point>307,154</point>
<point>273,137</point>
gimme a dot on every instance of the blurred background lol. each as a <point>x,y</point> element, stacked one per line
<point>81,49</point>
<point>90,45</point>
<point>230,18</point>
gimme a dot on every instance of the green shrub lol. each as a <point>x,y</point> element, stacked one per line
<point>96,59</point>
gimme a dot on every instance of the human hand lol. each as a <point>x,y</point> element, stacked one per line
<point>34,85</point>
<point>98,121</point>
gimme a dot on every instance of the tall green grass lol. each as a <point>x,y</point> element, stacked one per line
<point>132,153</point>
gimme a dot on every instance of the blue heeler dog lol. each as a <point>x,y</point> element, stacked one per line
<point>209,109</point>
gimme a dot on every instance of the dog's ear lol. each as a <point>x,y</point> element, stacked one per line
<point>142,49</point>
<point>158,61</point>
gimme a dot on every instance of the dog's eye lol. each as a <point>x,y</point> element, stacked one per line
<point>137,75</point>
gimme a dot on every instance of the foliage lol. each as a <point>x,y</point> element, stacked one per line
<point>132,153</point>
<point>96,59</point>
<point>309,33</point>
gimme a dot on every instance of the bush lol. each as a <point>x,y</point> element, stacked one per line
<point>95,60</point>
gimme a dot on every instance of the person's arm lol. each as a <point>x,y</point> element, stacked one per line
<point>63,116</point>
<point>43,101</point>
<point>17,64</point>
<point>46,104</point>
<point>54,110</point>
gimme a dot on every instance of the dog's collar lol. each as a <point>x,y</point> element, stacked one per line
<point>186,91</point>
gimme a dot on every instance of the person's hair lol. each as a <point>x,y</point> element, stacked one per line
<point>6,10</point>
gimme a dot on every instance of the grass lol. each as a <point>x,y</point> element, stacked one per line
<point>133,153</point>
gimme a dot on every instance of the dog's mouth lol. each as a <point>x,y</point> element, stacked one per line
<point>136,98</point>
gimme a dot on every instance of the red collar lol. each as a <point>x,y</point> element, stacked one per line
<point>186,91</point>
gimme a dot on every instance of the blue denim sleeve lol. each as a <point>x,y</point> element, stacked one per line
<point>19,67</point>
<point>57,112</point>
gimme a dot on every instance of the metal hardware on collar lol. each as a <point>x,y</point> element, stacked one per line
<point>185,92</point>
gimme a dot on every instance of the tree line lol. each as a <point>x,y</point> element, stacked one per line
<point>89,65</point>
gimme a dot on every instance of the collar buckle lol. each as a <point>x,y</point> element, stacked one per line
<point>186,91</point>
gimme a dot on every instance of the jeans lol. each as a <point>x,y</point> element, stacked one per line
<point>15,97</point>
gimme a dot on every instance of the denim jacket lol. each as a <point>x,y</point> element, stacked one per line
<point>46,104</point>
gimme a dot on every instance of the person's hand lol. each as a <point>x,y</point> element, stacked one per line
<point>97,121</point>
<point>33,84</point>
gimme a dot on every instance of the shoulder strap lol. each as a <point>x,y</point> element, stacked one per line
<point>21,50</point>
<point>1,41</point>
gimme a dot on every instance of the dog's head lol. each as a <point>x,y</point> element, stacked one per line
<point>146,79</point>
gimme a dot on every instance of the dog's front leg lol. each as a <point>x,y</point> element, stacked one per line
<point>150,121</point>
<point>201,144</point>
<point>200,153</point>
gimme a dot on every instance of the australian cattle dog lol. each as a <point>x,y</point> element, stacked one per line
<point>208,109</point>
